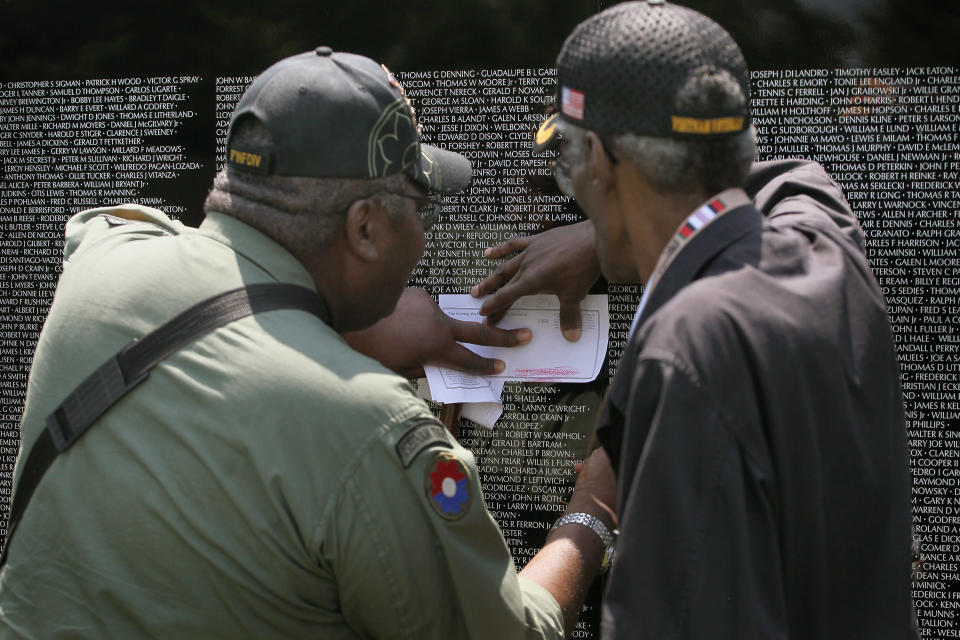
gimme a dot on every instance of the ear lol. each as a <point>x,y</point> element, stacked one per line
<point>604,170</point>
<point>363,229</point>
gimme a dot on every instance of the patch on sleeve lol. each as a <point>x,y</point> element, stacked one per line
<point>420,436</point>
<point>448,486</point>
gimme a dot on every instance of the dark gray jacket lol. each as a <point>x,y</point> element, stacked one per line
<point>757,426</point>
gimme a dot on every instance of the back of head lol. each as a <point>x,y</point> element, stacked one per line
<point>668,86</point>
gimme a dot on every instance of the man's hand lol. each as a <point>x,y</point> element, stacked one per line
<point>562,261</point>
<point>419,333</point>
<point>596,488</point>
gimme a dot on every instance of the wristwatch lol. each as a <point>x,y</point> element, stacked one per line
<point>607,537</point>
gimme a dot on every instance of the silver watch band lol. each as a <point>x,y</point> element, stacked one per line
<point>607,537</point>
<point>587,520</point>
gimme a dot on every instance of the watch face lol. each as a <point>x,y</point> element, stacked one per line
<point>607,561</point>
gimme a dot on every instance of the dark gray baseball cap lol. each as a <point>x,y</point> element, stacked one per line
<point>623,70</point>
<point>339,115</point>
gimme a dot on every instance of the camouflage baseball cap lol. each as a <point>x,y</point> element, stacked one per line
<point>339,115</point>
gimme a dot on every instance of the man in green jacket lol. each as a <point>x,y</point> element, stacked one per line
<point>268,480</point>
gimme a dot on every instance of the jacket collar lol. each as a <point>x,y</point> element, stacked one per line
<point>692,259</point>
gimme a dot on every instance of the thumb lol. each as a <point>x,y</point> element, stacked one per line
<point>570,320</point>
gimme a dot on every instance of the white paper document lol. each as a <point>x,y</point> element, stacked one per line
<point>485,412</point>
<point>548,357</point>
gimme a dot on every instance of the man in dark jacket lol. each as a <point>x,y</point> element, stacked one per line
<point>756,422</point>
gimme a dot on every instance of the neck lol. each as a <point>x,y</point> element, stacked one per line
<point>321,265</point>
<point>652,219</point>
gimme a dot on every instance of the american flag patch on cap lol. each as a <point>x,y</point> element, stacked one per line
<point>571,103</point>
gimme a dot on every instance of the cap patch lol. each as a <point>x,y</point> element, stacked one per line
<point>254,160</point>
<point>571,103</point>
<point>394,129</point>
<point>706,126</point>
<point>430,168</point>
<point>448,486</point>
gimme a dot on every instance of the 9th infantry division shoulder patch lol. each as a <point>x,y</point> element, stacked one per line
<point>448,486</point>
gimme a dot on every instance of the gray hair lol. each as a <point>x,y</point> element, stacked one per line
<point>300,213</point>
<point>673,165</point>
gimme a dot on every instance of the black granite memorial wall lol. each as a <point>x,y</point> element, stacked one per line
<point>885,121</point>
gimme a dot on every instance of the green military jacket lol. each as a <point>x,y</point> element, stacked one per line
<point>266,481</point>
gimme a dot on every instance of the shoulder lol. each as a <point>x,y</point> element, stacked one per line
<point>125,221</point>
<point>306,370</point>
<point>720,332</point>
<point>793,193</point>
